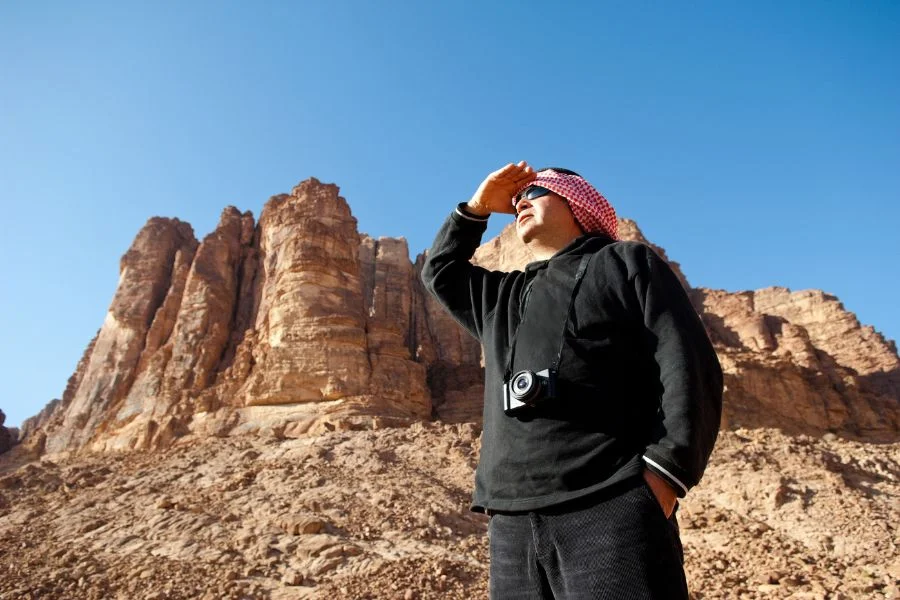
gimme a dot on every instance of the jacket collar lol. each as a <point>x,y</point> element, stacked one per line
<point>583,244</point>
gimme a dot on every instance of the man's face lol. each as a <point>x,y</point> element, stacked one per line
<point>547,216</point>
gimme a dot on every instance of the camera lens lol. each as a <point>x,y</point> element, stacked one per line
<point>523,386</point>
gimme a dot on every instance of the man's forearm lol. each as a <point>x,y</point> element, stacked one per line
<point>690,380</point>
<point>450,277</point>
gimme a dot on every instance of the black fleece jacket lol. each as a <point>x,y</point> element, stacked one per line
<point>639,382</point>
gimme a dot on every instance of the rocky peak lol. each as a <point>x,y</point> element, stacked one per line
<point>7,438</point>
<point>282,325</point>
<point>801,362</point>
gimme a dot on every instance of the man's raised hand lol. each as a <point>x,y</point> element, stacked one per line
<point>496,191</point>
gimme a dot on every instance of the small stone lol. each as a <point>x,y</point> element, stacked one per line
<point>305,526</point>
<point>774,577</point>
<point>292,577</point>
<point>250,455</point>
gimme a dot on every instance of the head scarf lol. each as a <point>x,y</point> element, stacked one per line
<point>591,210</point>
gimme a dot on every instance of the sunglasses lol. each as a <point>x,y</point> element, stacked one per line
<point>530,193</point>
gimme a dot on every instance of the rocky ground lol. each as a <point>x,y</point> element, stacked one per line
<point>384,514</point>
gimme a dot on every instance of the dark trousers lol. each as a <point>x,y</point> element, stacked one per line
<point>615,545</point>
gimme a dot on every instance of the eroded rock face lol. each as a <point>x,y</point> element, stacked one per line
<point>452,356</point>
<point>299,324</point>
<point>146,274</point>
<point>268,326</point>
<point>801,362</point>
<point>310,321</point>
<point>186,340</point>
<point>390,287</point>
<point>7,438</point>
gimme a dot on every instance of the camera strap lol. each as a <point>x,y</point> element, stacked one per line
<point>579,275</point>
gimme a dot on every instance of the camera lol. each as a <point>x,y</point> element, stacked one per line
<point>528,389</point>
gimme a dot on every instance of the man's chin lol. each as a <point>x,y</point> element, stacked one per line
<point>525,236</point>
<point>525,231</point>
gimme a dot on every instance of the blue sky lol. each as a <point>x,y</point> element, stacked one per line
<point>757,142</point>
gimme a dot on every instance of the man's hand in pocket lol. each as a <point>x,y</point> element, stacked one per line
<point>664,493</point>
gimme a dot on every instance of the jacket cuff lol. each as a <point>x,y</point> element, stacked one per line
<point>665,470</point>
<point>463,212</point>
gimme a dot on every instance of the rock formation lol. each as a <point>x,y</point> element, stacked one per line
<point>452,356</point>
<point>271,326</point>
<point>8,437</point>
<point>801,362</point>
<point>298,323</point>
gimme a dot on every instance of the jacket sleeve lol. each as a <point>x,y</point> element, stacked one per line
<point>690,408</point>
<point>463,289</point>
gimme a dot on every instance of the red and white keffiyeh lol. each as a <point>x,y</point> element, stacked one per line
<point>592,211</point>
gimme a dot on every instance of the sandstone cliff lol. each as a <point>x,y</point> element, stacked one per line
<point>282,325</point>
<point>297,323</point>
<point>8,437</point>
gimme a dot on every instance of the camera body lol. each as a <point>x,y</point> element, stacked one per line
<point>527,389</point>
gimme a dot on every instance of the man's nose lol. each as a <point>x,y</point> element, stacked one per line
<point>522,204</point>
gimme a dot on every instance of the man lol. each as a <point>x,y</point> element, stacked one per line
<point>602,396</point>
